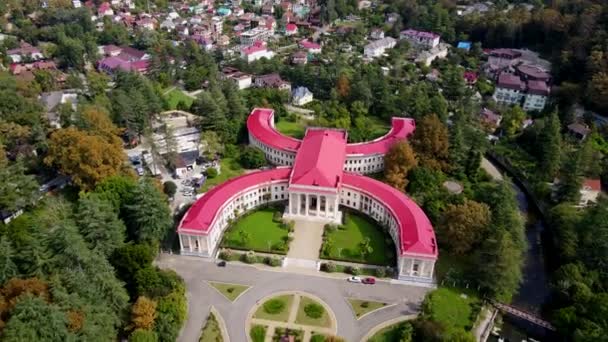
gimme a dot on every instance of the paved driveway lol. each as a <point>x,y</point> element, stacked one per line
<point>334,292</point>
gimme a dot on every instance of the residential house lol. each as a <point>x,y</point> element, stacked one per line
<point>128,59</point>
<point>590,191</point>
<point>272,81</point>
<point>378,47</point>
<point>255,35</point>
<point>579,130</point>
<point>490,119</point>
<point>536,96</point>
<point>427,57</point>
<point>256,51</point>
<point>51,102</point>
<point>470,77</point>
<point>509,89</point>
<point>105,9</point>
<point>268,8</point>
<point>241,79</point>
<point>24,52</point>
<point>376,34</point>
<point>146,24</point>
<point>310,47</point>
<point>20,68</point>
<point>299,58</point>
<point>420,39</point>
<point>291,29</point>
<point>301,96</point>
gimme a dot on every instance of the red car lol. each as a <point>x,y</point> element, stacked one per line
<point>370,281</point>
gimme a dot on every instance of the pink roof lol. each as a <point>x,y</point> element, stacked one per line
<point>199,217</point>
<point>307,44</point>
<point>415,229</point>
<point>291,27</point>
<point>592,184</point>
<point>402,129</point>
<point>260,125</point>
<point>320,159</point>
<point>256,47</point>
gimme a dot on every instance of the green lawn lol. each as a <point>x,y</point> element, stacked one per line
<point>302,318</point>
<point>361,307</point>
<point>230,291</point>
<point>176,96</point>
<point>282,316</point>
<point>388,334</point>
<point>230,168</point>
<point>293,129</point>
<point>263,234</point>
<point>345,242</point>
<point>211,331</point>
<point>379,127</point>
<point>449,307</point>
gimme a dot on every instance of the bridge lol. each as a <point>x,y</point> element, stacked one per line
<point>523,315</point>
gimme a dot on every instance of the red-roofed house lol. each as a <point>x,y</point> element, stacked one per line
<point>590,190</point>
<point>256,51</point>
<point>105,9</point>
<point>314,186</point>
<point>470,77</point>
<point>310,47</point>
<point>125,59</point>
<point>23,52</point>
<point>291,29</point>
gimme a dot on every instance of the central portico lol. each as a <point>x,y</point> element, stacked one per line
<point>316,177</point>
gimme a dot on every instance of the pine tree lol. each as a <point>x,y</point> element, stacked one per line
<point>8,268</point>
<point>98,222</point>
<point>550,146</point>
<point>149,215</point>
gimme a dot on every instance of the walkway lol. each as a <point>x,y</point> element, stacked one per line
<point>334,292</point>
<point>307,240</point>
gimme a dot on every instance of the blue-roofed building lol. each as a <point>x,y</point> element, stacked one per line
<point>464,45</point>
<point>223,11</point>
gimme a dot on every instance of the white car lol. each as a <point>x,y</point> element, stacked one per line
<point>355,279</point>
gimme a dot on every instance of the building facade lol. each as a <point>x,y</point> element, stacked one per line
<point>314,187</point>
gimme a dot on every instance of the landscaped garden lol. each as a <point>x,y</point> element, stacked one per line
<point>359,239</point>
<point>258,231</point>
<point>229,168</point>
<point>362,307</point>
<point>275,309</point>
<point>230,291</point>
<point>310,312</point>
<point>258,333</point>
<point>280,333</point>
<point>211,331</point>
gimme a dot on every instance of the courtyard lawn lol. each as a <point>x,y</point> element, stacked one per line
<point>230,168</point>
<point>293,129</point>
<point>282,315</point>
<point>389,334</point>
<point>379,127</point>
<point>176,96</point>
<point>345,243</point>
<point>451,308</point>
<point>361,307</point>
<point>303,318</point>
<point>230,291</point>
<point>211,331</point>
<point>261,232</point>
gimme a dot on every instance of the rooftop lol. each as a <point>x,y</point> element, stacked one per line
<point>320,159</point>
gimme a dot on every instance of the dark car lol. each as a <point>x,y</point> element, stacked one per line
<point>370,281</point>
<point>221,264</point>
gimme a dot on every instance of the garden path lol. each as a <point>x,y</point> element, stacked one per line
<point>307,240</point>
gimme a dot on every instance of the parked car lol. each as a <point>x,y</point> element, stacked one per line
<point>355,279</point>
<point>369,281</point>
<point>221,264</point>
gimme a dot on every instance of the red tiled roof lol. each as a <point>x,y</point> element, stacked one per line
<point>592,184</point>
<point>415,229</point>
<point>538,88</point>
<point>202,213</point>
<point>510,81</point>
<point>320,159</point>
<point>260,125</point>
<point>291,28</point>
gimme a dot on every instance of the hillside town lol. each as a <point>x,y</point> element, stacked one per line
<point>303,170</point>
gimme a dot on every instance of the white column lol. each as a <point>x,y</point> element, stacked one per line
<point>307,204</point>
<point>181,245</point>
<point>432,269</point>
<point>421,269</point>
<point>318,205</point>
<point>189,243</point>
<point>326,206</point>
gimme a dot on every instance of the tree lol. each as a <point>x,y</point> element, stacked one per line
<point>570,182</point>
<point>343,86</point>
<point>169,188</point>
<point>252,158</point>
<point>143,313</point>
<point>149,215</point>
<point>365,247</point>
<point>398,162</point>
<point>512,120</point>
<point>87,158</point>
<point>98,222</point>
<point>33,319</point>
<point>8,268</point>
<point>463,225</point>
<point>212,143</point>
<point>141,335</point>
<point>97,83</point>
<point>17,190</point>
<point>549,141</point>
<point>431,144</point>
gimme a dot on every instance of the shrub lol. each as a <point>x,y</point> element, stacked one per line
<point>230,289</point>
<point>212,172</point>
<point>249,258</point>
<point>141,335</point>
<point>226,255</point>
<point>279,247</point>
<point>291,225</point>
<point>390,272</point>
<point>257,333</point>
<point>169,188</point>
<point>354,270</point>
<point>314,310</point>
<point>365,304</point>
<point>317,338</point>
<point>274,306</point>
<point>380,272</point>
<point>330,267</point>
<point>329,228</point>
<point>277,217</point>
<point>271,261</point>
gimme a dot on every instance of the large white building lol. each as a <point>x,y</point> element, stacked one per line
<point>314,186</point>
<point>421,39</point>
<point>378,47</point>
<point>256,51</point>
<point>248,38</point>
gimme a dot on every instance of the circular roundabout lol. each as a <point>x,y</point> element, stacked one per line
<point>296,314</point>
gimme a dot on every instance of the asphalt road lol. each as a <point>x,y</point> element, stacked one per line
<point>334,292</point>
